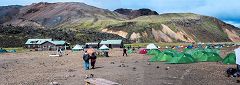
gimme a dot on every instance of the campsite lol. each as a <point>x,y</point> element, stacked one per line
<point>119,42</point>
<point>37,67</point>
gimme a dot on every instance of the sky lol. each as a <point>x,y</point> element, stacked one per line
<point>226,10</point>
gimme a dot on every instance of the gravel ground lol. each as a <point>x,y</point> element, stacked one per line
<point>37,68</point>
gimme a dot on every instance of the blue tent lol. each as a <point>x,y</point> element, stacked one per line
<point>3,50</point>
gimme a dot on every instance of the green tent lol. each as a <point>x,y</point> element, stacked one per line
<point>198,54</point>
<point>213,50</point>
<point>153,52</point>
<point>192,51</point>
<point>171,52</point>
<point>129,51</point>
<point>182,58</point>
<point>209,57</point>
<point>161,57</point>
<point>230,59</point>
<point>12,51</point>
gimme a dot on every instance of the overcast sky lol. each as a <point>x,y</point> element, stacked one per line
<point>226,10</point>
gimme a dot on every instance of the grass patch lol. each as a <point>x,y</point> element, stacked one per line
<point>18,49</point>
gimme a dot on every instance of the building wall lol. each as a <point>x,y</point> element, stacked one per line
<point>32,46</point>
<point>48,46</point>
<point>114,45</point>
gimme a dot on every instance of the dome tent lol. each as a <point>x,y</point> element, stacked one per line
<point>171,52</point>
<point>130,51</point>
<point>197,55</point>
<point>209,57</point>
<point>142,51</point>
<point>192,51</point>
<point>103,47</point>
<point>3,50</point>
<point>161,57</point>
<point>153,52</point>
<point>230,59</point>
<point>77,48</point>
<point>182,58</point>
<point>151,46</point>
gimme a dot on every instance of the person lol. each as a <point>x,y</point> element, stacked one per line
<point>133,49</point>
<point>237,52</point>
<point>124,51</point>
<point>128,47</point>
<point>93,58</point>
<point>86,60</point>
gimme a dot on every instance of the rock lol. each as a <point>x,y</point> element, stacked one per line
<point>136,61</point>
<point>86,77</point>
<point>91,75</point>
<point>123,65</point>
<point>4,67</point>
<point>158,67</point>
<point>112,63</point>
<point>67,76</point>
<point>238,81</point>
<point>174,77</point>
<point>148,63</point>
<point>73,75</point>
<point>120,66</point>
<point>54,83</point>
<point>71,70</point>
<point>134,68</point>
<point>167,68</point>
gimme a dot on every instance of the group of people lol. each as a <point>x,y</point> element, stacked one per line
<point>89,56</point>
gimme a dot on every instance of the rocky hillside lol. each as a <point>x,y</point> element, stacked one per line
<point>136,13</point>
<point>15,36</point>
<point>55,15</point>
<point>141,25</point>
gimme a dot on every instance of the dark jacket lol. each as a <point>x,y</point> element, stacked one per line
<point>93,56</point>
<point>86,57</point>
<point>124,50</point>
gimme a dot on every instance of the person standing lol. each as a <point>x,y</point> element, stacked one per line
<point>237,52</point>
<point>133,49</point>
<point>124,51</point>
<point>86,60</point>
<point>93,58</point>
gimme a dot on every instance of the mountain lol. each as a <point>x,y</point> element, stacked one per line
<point>54,15</point>
<point>82,20</point>
<point>136,13</point>
<point>175,27</point>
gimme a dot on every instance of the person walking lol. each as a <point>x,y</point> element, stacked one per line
<point>124,51</point>
<point>86,60</point>
<point>93,59</point>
